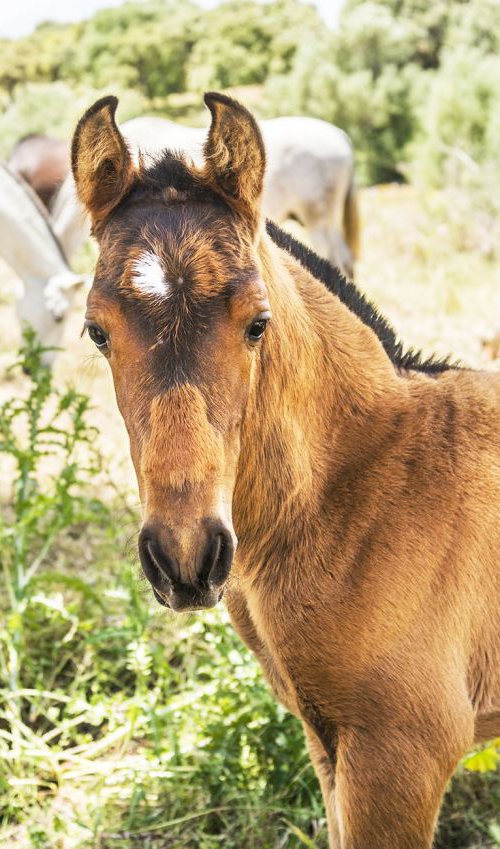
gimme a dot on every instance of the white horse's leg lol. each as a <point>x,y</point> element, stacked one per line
<point>328,241</point>
<point>31,309</point>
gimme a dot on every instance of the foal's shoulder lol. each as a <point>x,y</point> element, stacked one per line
<point>474,385</point>
<point>468,398</point>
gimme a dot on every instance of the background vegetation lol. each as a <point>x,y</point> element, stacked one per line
<point>412,82</point>
<point>121,726</point>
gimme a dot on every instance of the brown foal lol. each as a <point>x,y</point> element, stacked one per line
<point>270,407</point>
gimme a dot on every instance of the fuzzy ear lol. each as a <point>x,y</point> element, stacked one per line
<point>235,157</point>
<point>102,165</point>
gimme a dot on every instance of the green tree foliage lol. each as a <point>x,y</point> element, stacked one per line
<point>38,58</point>
<point>374,102</point>
<point>461,124</point>
<point>456,146</point>
<point>401,76</point>
<point>244,42</point>
<point>162,46</point>
<point>428,23</point>
<point>390,74</point>
<point>141,46</point>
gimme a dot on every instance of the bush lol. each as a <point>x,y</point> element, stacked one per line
<point>460,123</point>
<point>377,112</point>
<point>242,43</point>
<point>403,79</point>
<point>456,147</point>
<point>138,46</point>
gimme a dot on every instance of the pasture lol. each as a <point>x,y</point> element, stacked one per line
<point>131,728</point>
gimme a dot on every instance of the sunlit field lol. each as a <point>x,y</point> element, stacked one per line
<point>122,725</point>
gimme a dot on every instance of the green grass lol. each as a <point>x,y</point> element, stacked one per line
<point>136,728</point>
<point>123,726</point>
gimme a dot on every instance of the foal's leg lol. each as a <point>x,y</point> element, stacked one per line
<point>325,770</point>
<point>389,785</point>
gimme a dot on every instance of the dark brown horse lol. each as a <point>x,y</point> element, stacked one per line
<point>43,162</point>
<point>268,403</point>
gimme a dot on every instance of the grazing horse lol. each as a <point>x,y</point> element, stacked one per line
<point>28,245</point>
<point>309,177</point>
<point>43,162</point>
<point>342,494</point>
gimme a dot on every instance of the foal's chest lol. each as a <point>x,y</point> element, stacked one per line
<point>295,661</point>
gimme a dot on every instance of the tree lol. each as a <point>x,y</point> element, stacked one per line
<point>244,42</point>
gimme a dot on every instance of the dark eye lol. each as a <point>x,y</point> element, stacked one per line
<point>255,330</point>
<point>98,336</point>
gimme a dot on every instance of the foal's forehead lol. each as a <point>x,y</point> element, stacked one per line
<point>158,251</point>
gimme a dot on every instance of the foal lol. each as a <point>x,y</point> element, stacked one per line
<point>268,403</point>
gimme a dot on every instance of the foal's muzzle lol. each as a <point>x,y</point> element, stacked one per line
<point>187,580</point>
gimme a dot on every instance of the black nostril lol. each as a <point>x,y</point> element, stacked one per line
<point>217,557</point>
<point>158,567</point>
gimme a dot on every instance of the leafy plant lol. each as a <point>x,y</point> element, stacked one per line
<point>42,434</point>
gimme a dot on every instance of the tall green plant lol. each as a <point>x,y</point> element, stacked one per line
<point>42,433</point>
<point>45,426</point>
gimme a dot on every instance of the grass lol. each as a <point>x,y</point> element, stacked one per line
<point>122,726</point>
<point>134,729</point>
<point>440,289</point>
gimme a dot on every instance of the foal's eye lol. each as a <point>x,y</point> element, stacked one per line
<point>256,329</point>
<point>98,336</point>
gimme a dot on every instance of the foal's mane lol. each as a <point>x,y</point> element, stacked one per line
<point>354,300</point>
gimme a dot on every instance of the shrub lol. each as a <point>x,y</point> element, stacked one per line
<point>242,43</point>
<point>460,122</point>
<point>377,111</point>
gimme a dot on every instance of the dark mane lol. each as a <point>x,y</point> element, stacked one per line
<point>350,295</point>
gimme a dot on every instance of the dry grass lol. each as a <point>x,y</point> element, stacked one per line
<point>439,297</point>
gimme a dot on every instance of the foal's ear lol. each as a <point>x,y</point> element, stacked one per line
<point>102,165</point>
<point>235,157</point>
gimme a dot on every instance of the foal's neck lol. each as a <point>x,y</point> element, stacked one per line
<point>322,392</point>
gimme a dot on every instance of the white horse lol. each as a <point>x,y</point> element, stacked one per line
<point>29,246</point>
<point>309,177</point>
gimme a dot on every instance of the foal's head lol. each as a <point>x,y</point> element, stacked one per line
<point>179,309</point>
